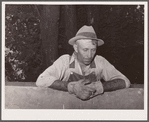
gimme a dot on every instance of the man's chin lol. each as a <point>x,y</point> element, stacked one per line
<point>87,62</point>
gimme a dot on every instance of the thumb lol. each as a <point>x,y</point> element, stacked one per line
<point>81,81</point>
<point>86,82</point>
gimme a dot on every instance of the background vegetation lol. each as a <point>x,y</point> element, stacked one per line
<point>36,35</point>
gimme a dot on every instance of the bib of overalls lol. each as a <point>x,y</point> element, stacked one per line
<point>76,77</point>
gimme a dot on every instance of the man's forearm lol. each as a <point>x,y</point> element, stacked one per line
<point>114,85</point>
<point>59,85</point>
<point>107,85</point>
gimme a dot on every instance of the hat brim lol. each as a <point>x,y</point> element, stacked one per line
<point>74,39</point>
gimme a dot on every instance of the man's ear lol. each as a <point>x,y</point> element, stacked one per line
<point>75,46</point>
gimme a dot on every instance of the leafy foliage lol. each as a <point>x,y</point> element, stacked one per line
<point>23,55</point>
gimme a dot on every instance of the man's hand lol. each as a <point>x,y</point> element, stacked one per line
<point>97,86</point>
<point>80,89</point>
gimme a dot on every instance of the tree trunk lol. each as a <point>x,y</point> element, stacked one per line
<point>68,28</point>
<point>93,16</point>
<point>49,33</point>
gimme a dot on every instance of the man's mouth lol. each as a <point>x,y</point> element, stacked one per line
<point>87,60</point>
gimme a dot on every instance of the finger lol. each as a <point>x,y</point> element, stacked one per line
<point>89,89</point>
<point>85,95</point>
<point>89,94</point>
<point>81,81</point>
<point>86,82</point>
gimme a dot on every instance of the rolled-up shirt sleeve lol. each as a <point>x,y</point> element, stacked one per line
<point>109,72</point>
<point>52,73</point>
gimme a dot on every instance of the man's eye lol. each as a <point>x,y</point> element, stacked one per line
<point>84,49</point>
<point>94,50</point>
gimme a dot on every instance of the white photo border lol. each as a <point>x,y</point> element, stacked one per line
<point>57,114</point>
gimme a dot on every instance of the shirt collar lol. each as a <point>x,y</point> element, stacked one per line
<point>73,58</point>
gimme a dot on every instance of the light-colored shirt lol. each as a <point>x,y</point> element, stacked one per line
<point>66,65</point>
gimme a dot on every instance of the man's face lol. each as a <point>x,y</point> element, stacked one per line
<point>86,50</point>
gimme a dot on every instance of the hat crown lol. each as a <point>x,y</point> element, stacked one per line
<point>86,29</point>
<point>86,32</point>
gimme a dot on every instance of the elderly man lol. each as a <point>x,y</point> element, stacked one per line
<point>83,74</point>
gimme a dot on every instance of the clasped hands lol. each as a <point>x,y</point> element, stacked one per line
<point>84,89</point>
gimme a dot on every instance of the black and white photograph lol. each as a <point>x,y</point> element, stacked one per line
<point>74,60</point>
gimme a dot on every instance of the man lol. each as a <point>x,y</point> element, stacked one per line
<point>81,74</point>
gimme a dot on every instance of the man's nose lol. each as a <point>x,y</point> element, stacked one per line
<point>89,54</point>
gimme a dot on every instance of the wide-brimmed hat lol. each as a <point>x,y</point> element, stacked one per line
<point>86,32</point>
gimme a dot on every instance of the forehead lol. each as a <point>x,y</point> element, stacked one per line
<point>86,43</point>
